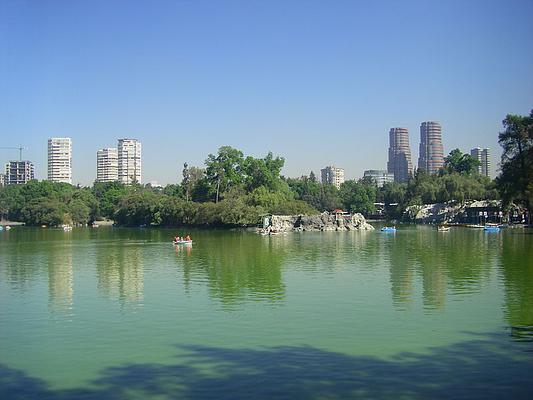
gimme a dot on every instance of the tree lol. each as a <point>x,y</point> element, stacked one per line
<point>186,181</point>
<point>224,170</point>
<point>263,172</point>
<point>515,182</point>
<point>358,196</point>
<point>460,163</point>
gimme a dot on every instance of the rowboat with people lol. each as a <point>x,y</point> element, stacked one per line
<point>182,240</point>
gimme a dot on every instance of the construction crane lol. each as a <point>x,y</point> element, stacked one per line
<point>20,148</point>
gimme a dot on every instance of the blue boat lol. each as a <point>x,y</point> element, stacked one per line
<point>491,228</point>
<point>388,229</point>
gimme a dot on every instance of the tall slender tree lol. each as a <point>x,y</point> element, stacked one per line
<point>515,182</point>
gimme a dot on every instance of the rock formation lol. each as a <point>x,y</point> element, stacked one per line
<point>321,222</point>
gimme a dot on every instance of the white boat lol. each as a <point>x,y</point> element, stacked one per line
<point>388,229</point>
<point>7,228</point>
<point>67,228</point>
<point>182,242</point>
<point>443,228</point>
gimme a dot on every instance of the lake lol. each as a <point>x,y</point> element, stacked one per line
<point>122,313</point>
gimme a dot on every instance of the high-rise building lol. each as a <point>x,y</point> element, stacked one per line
<point>129,161</point>
<point>431,154</point>
<point>399,162</point>
<point>333,176</point>
<point>2,179</point>
<point>483,156</point>
<point>107,165</point>
<point>19,172</point>
<point>379,176</point>
<point>60,160</point>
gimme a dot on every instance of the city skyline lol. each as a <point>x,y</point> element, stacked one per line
<point>123,162</point>
<point>323,87</point>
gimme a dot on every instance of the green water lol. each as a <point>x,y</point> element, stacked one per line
<point>121,313</point>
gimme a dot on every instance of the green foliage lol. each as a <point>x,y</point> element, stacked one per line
<point>108,195</point>
<point>48,203</point>
<point>263,172</point>
<point>515,182</point>
<point>457,162</point>
<point>224,170</point>
<point>358,196</point>
<point>44,211</point>
<point>318,196</point>
<point>138,208</point>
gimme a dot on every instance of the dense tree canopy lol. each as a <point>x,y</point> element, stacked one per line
<point>515,182</point>
<point>457,162</point>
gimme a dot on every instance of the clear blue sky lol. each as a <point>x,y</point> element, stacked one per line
<point>318,82</point>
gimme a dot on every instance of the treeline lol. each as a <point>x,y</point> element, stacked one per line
<point>234,190</point>
<point>231,190</point>
<point>458,181</point>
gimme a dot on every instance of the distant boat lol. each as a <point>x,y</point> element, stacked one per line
<point>491,228</point>
<point>388,229</point>
<point>182,241</point>
<point>67,228</point>
<point>1,228</point>
<point>476,226</point>
<point>7,228</point>
<point>443,228</point>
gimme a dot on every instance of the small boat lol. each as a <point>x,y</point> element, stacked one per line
<point>182,242</point>
<point>7,228</point>
<point>491,228</point>
<point>388,229</point>
<point>1,228</point>
<point>67,228</point>
<point>443,228</point>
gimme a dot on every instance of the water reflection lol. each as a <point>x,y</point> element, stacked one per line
<point>457,262</point>
<point>237,266</point>
<point>516,265</point>
<point>120,272</point>
<point>60,276</point>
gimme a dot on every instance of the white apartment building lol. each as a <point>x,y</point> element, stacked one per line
<point>60,160</point>
<point>333,176</point>
<point>107,165</point>
<point>129,161</point>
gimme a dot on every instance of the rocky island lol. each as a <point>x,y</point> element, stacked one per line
<point>321,222</point>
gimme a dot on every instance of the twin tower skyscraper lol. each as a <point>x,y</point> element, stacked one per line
<point>431,152</point>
